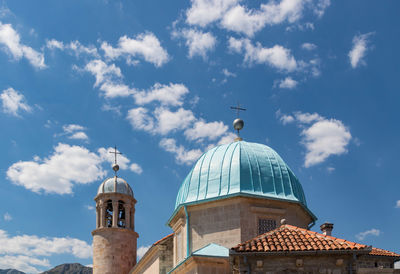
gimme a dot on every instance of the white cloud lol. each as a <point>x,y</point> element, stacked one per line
<point>277,57</point>
<point>102,71</point>
<point>74,47</point>
<point>7,217</point>
<point>112,89</point>
<point>161,121</point>
<point>75,132</point>
<point>145,45</point>
<point>140,119</point>
<point>68,165</point>
<point>227,73</point>
<point>142,250</point>
<point>286,119</point>
<point>108,77</point>
<point>80,135</point>
<point>71,128</point>
<point>307,118</point>
<point>288,83</point>
<point>136,168</point>
<point>26,252</point>
<point>204,12</point>
<point>202,130</point>
<point>168,121</point>
<point>242,20</point>
<point>359,49</point>
<point>13,102</point>
<point>199,43</point>
<point>320,6</point>
<point>372,232</point>
<point>54,44</point>
<point>398,204</point>
<point>239,18</point>
<point>171,94</point>
<point>330,169</point>
<point>321,137</point>
<point>10,41</point>
<point>227,138</point>
<point>182,155</point>
<point>89,207</point>
<point>308,46</point>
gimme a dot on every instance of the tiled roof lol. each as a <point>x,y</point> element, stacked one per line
<point>166,237</point>
<point>288,238</point>
<point>382,252</point>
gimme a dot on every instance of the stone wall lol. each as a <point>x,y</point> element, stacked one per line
<point>229,222</point>
<point>291,264</point>
<point>114,250</point>
<point>310,264</point>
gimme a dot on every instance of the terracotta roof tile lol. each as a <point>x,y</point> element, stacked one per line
<point>166,237</point>
<point>381,252</point>
<point>291,238</point>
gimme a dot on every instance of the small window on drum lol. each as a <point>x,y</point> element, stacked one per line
<point>265,225</point>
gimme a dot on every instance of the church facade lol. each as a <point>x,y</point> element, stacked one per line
<point>239,210</point>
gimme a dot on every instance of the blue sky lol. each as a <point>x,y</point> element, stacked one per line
<point>319,80</point>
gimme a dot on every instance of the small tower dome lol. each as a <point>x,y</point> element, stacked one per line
<point>115,185</point>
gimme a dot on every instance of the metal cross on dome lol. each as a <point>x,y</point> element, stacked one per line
<point>238,109</point>
<point>115,166</point>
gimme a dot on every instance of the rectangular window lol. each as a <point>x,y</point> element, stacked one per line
<point>265,225</point>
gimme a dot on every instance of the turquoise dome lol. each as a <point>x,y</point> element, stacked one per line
<point>240,169</point>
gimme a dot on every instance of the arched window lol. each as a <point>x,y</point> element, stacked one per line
<point>121,214</point>
<point>109,213</point>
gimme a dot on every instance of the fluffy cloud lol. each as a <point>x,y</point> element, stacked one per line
<point>372,232</point>
<point>171,94</point>
<point>277,57</point>
<point>204,12</point>
<point>359,49</point>
<point>7,217</point>
<point>161,121</point>
<point>202,130</point>
<point>26,252</point>
<point>108,77</point>
<point>398,204</point>
<point>68,165</point>
<point>102,72</point>
<point>145,45</point>
<point>287,83</point>
<point>142,250</point>
<point>182,155</point>
<point>140,118</point>
<point>13,102</point>
<point>136,168</point>
<point>227,73</point>
<point>199,43</point>
<point>321,137</point>
<point>10,41</point>
<point>74,47</point>
<point>168,121</point>
<point>238,18</point>
<point>75,132</point>
<point>308,46</point>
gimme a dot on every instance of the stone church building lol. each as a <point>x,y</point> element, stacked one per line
<point>240,209</point>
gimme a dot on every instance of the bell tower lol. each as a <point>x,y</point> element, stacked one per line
<point>114,239</point>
